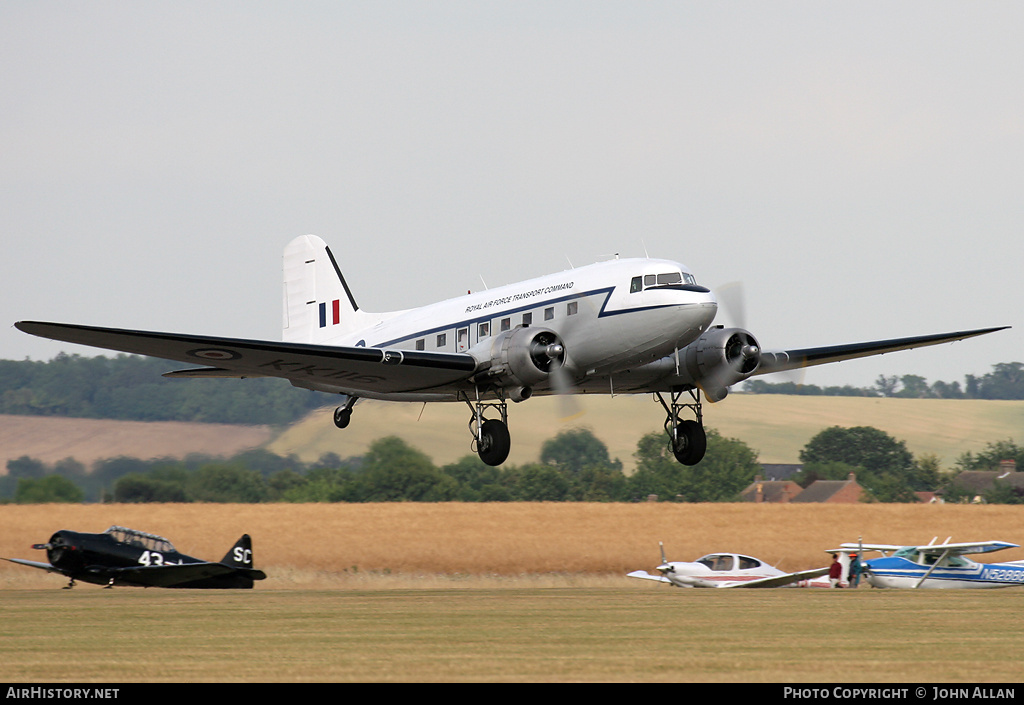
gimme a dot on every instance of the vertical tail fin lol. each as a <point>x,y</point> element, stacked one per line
<point>240,555</point>
<point>318,305</point>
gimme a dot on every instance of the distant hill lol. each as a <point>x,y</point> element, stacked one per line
<point>53,438</point>
<point>776,426</point>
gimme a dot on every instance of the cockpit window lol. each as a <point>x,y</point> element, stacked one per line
<point>140,539</point>
<point>635,285</point>
<point>664,279</point>
<point>717,562</point>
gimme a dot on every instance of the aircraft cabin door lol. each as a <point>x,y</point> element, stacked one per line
<point>462,340</point>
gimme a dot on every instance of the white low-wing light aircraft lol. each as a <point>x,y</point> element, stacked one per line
<point>729,570</point>
<point>623,326</point>
<point>935,565</point>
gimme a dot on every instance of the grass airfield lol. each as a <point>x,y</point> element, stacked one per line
<point>509,593</point>
<point>511,633</point>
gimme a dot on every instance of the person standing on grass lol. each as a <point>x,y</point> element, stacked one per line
<point>835,572</point>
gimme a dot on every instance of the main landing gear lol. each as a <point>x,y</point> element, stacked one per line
<point>687,437</point>
<point>491,439</point>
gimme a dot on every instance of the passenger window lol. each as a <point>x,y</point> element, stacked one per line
<point>549,313</point>
<point>527,319</point>
<point>636,284</point>
<point>442,339</point>
<point>572,308</point>
<point>419,344</point>
<point>484,330</point>
<point>506,324</point>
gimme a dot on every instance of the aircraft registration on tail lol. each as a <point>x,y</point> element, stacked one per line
<point>624,326</point>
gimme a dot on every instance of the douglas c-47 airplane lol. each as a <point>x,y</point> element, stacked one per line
<point>121,556</point>
<point>624,326</point>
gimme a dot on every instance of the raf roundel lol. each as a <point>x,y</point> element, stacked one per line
<point>214,354</point>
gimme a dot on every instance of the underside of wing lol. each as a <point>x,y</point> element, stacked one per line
<point>361,371</point>
<point>780,361</point>
<point>185,575</point>
<point>782,580</point>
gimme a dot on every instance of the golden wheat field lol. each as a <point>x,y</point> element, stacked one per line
<point>349,543</point>
<point>503,592</point>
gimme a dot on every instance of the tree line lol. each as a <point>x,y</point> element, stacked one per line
<point>1005,381</point>
<point>574,466</point>
<point>131,388</point>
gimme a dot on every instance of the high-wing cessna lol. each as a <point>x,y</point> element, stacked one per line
<point>121,556</point>
<point>623,326</point>
<point>935,565</point>
<point>729,570</point>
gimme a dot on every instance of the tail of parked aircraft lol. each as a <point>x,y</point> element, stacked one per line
<point>318,305</point>
<point>240,555</point>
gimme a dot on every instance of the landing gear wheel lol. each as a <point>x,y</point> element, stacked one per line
<point>494,443</point>
<point>690,442</point>
<point>342,417</point>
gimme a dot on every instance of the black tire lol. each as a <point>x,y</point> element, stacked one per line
<point>495,443</point>
<point>342,417</point>
<point>690,443</point>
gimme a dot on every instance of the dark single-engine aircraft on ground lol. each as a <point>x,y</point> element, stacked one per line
<point>121,556</point>
<point>625,326</point>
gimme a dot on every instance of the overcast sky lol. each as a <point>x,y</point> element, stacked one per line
<point>858,166</point>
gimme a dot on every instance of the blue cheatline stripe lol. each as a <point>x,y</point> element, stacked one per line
<point>323,315</point>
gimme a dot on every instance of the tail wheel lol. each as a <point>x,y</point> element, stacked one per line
<point>690,442</point>
<point>494,443</point>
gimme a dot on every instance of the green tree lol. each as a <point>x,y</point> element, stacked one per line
<point>540,483</point>
<point>575,449</point>
<point>889,471</point>
<point>226,483</point>
<point>135,488</point>
<point>728,467</point>
<point>394,471</point>
<point>990,457</point>
<point>52,488</point>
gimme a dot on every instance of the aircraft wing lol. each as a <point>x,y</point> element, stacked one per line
<point>360,371</point>
<point>644,575</point>
<point>180,574</point>
<point>34,564</point>
<point>962,548</point>
<point>933,548</point>
<point>780,361</point>
<point>781,580</point>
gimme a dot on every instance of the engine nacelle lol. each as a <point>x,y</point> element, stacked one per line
<point>721,358</point>
<point>523,357</point>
